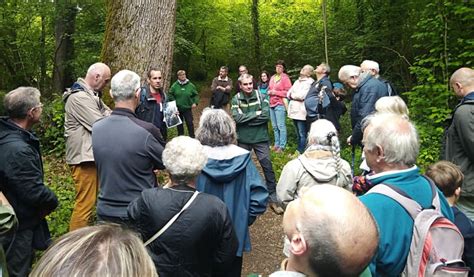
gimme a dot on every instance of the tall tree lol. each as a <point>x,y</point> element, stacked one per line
<point>64,28</point>
<point>256,34</point>
<point>140,34</point>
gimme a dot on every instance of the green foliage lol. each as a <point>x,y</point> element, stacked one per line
<point>51,128</point>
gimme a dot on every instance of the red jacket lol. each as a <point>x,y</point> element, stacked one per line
<point>280,89</point>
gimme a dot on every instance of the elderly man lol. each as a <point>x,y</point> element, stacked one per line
<point>318,98</point>
<point>391,147</point>
<point>83,107</point>
<point>373,68</point>
<point>323,236</point>
<point>21,176</point>
<point>126,151</point>
<point>251,112</point>
<point>152,101</point>
<point>459,138</point>
<point>221,87</point>
<point>367,91</point>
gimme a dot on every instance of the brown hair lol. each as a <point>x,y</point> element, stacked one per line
<point>446,175</point>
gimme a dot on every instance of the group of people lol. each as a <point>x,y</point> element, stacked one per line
<point>197,224</point>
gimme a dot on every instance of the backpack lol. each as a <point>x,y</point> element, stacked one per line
<point>437,244</point>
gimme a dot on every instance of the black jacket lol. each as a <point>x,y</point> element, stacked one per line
<point>200,242</point>
<point>150,110</point>
<point>21,175</point>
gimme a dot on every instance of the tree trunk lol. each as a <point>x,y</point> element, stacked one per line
<point>64,28</point>
<point>140,34</point>
<point>256,33</point>
<point>325,23</point>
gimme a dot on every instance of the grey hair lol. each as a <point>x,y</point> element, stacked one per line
<point>309,68</point>
<point>392,104</point>
<point>216,128</point>
<point>19,101</point>
<point>323,135</point>
<point>102,250</point>
<point>371,65</point>
<point>326,67</point>
<point>348,71</point>
<point>395,134</point>
<point>184,158</point>
<point>124,85</point>
<point>245,76</point>
<point>96,68</point>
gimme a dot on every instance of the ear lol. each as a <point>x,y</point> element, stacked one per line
<point>298,245</point>
<point>380,152</point>
<point>457,192</point>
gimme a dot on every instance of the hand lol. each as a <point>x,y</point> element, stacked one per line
<point>193,106</point>
<point>258,112</point>
<point>349,140</point>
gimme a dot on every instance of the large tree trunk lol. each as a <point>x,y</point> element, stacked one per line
<point>64,28</point>
<point>256,34</point>
<point>140,34</point>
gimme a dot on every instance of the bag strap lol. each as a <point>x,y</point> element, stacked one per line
<point>172,220</point>
<point>402,198</point>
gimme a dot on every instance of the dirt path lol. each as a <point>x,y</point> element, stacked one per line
<point>266,233</point>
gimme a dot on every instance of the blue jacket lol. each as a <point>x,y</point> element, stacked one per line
<point>394,223</point>
<point>366,94</point>
<point>231,175</point>
<point>311,102</point>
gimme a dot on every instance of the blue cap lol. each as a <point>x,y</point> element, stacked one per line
<point>337,85</point>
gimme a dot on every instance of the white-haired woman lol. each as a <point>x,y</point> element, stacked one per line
<point>296,109</point>
<point>321,163</point>
<point>201,241</point>
<point>231,175</point>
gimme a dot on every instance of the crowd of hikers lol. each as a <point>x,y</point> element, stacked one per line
<point>391,220</point>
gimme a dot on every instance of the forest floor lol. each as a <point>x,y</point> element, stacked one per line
<point>266,233</point>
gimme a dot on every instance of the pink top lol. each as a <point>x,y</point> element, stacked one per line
<point>280,89</point>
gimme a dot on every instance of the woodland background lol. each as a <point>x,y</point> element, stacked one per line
<point>48,44</point>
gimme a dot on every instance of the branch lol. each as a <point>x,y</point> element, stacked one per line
<point>399,55</point>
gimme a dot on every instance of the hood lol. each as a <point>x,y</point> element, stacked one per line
<point>77,86</point>
<point>225,163</point>
<point>320,164</point>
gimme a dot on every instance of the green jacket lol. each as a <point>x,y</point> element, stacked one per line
<point>185,95</point>
<point>251,114</point>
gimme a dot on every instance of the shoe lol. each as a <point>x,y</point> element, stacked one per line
<point>279,150</point>
<point>276,208</point>
<point>275,148</point>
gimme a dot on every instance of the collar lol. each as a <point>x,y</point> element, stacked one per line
<point>392,172</point>
<point>183,82</point>
<point>123,112</point>
<point>182,188</point>
<point>469,96</point>
<point>223,79</point>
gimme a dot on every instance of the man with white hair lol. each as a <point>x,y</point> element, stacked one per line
<point>126,151</point>
<point>459,138</point>
<point>329,232</point>
<point>367,90</point>
<point>83,107</point>
<point>373,68</point>
<point>391,147</point>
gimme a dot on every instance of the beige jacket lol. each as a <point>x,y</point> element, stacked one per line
<point>297,94</point>
<point>83,107</point>
<point>314,167</point>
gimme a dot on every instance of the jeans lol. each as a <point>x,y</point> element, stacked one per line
<point>186,116</point>
<point>301,134</point>
<point>263,155</point>
<point>278,118</point>
<point>86,183</point>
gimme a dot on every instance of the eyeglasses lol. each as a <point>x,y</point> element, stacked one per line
<point>247,84</point>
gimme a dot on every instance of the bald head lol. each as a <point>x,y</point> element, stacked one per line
<point>324,237</point>
<point>98,76</point>
<point>462,81</point>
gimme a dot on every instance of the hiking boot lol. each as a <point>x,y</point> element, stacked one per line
<point>276,208</point>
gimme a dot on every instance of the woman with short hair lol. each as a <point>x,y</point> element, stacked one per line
<point>201,241</point>
<point>231,175</point>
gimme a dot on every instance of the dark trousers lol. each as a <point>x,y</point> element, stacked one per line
<point>20,254</point>
<point>263,155</point>
<point>186,116</point>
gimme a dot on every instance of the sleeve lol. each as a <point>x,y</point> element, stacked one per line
<point>155,150</point>
<point>367,106</point>
<point>464,122</point>
<point>239,116</point>
<point>86,110</point>
<point>194,94</point>
<point>214,84</point>
<point>282,88</point>
<point>8,219</point>
<point>287,184</point>
<point>258,193</point>
<point>227,241</point>
<point>171,93</point>
<point>264,116</point>
<point>26,179</point>
<point>228,88</point>
<point>139,215</point>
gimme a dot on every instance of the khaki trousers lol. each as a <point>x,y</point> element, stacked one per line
<point>86,183</point>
